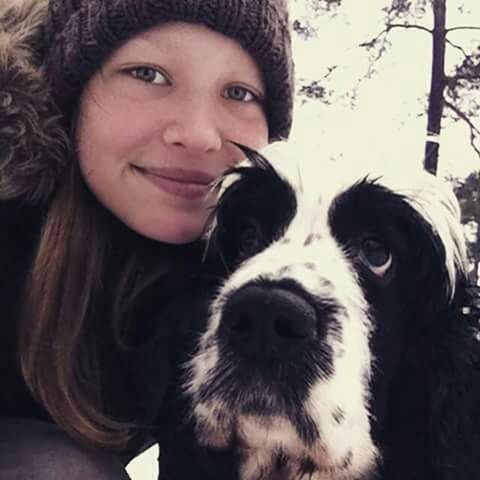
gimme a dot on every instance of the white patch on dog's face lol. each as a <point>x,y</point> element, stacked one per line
<point>205,362</point>
<point>217,424</point>
<point>322,431</point>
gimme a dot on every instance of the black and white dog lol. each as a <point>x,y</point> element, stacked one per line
<point>342,343</point>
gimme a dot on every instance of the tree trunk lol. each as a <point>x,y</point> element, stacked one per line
<point>476,256</point>
<point>437,85</point>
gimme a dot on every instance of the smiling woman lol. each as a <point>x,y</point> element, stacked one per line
<point>188,109</point>
<point>116,118</point>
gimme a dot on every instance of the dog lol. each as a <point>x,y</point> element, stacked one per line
<point>342,341</point>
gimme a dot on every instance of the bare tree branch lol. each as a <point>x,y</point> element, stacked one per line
<point>461,28</point>
<point>371,66</point>
<point>402,25</point>
<point>330,70</point>
<point>389,27</point>
<point>474,131</point>
<point>458,47</point>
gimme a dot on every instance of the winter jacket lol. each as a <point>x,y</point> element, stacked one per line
<point>30,139</point>
<point>34,148</point>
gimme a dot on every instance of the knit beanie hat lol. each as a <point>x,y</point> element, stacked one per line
<point>82,33</point>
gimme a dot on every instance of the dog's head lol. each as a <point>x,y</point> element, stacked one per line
<point>331,289</point>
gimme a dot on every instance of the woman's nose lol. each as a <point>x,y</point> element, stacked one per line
<point>195,130</point>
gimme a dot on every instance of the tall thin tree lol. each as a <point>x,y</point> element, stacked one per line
<point>437,87</point>
<point>455,94</point>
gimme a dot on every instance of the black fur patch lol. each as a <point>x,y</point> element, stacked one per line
<point>253,212</point>
<point>338,415</point>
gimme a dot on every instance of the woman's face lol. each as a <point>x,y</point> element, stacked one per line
<point>155,127</point>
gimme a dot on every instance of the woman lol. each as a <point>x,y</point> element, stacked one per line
<point>116,116</point>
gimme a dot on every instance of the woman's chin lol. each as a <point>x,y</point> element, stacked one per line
<point>178,234</point>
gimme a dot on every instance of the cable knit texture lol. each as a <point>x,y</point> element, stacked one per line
<point>82,33</point>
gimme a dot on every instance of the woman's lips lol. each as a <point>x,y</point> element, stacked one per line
<point>189,184</point>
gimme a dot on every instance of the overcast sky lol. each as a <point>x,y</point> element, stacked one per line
<point>388,122</point>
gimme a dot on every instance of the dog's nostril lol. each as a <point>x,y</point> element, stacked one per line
<point>267,321</point>
<point>241,324</point>
<point>285,328</point>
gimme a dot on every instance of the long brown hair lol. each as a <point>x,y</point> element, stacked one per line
<point>59,363</point>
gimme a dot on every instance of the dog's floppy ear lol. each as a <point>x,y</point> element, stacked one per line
<point>255,207</point>
<point>33,143</point>
<point>438,255</point>
<point>455,380</point>
<point>451,340</point>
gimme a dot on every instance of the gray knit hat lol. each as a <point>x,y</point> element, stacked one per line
<point>82,33</point>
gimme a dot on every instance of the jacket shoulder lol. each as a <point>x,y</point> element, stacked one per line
<point>20,225</point>
<point>19,229</point>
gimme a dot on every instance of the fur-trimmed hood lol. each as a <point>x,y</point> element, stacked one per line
<point>33,142</point>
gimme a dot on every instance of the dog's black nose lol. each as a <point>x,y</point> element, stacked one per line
<point>266,322</point>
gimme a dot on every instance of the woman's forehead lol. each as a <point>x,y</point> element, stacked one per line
<point>188,43</point>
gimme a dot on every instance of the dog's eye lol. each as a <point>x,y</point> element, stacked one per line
<point>376,255</point>
<point>250,238</point>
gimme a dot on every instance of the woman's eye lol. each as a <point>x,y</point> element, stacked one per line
<point>149,75</point>
<point>376,255</point>
<point>240,94</point>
